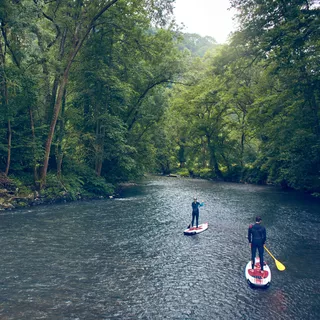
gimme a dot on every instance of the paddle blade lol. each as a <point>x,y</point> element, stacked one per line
<point>280,266</point>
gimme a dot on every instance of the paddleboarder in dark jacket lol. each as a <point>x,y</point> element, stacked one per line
<point>257,237</point>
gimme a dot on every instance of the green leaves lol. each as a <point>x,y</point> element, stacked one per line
<point>135,97</point>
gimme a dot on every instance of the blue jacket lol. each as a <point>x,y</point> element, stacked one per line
<point>195,206</point>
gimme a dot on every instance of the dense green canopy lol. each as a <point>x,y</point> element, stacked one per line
<point>97,92</point>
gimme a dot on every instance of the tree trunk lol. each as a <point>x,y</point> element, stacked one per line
<point>52,100</point>
<point>314,108</point>
<point>9,126</point>
<point>213,159</point>
<point>77,44</point>
<point>6,107</point>
<point>35,164</point>
<point>5,100</point>
<point>9,148</point>
<point>100,135</point>
<point>59,151</point>
<point>56,111</point>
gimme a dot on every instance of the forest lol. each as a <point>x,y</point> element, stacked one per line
<point>94,93</point>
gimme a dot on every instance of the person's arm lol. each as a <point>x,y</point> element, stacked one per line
<point>264,236</point>
<point>250,233</point>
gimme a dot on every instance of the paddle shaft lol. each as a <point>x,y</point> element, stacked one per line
<point>269,253</point>
<point>279,265</point>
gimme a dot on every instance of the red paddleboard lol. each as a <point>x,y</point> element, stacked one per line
<point>255,277</point>
<point>194,230</point>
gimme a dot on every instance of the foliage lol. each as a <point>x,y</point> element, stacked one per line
<point>197,45</point>
<point>85,182</point>
<point>99,93</point>
<point>204,173</point>
<point>183,172</point>
<point>82,87</point>
<point>252,110</point>
<point>286,115</point>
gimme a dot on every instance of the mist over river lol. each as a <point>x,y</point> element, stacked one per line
<point>127,258</point>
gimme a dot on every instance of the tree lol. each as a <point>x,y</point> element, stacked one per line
<point>284,36</point>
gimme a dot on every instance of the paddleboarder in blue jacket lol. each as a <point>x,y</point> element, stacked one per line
<point>195,211</point>
<point>257,237</point>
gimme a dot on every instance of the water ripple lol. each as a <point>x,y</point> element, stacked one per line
<point>127,258</point>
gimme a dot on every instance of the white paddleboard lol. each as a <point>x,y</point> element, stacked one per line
<point>194,230</point>
<point>255,277</point>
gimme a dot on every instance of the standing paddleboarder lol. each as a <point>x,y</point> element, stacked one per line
<point>195,211</point>
<point>257,237</point>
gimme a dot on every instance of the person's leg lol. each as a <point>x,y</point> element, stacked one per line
<point>261,250</point>
<point>192,219</point>
<point>253,254</point>
<point>197,219</point>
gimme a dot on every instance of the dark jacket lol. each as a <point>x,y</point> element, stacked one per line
<point>257,234</point>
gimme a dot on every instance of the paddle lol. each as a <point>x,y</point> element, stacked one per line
<point>279,265</point>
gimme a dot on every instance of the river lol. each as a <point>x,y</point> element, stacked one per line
<point>127,258</point>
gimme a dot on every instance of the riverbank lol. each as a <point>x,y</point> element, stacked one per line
<point>14,195</point>
<point>13,200</point>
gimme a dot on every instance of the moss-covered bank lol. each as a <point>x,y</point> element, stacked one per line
<point>16,193</point>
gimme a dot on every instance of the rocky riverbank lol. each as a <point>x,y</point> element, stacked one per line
<point>13,196</point>
<point>11,200</point>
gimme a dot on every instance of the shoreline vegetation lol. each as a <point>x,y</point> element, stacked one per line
<point>94,94</point>
<point>14,196</point>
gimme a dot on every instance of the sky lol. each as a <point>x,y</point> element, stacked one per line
<point>205,17</point>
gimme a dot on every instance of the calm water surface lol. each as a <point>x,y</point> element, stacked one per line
<point>127,258</point>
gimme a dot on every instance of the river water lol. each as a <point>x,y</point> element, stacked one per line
<point>127,258</point>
